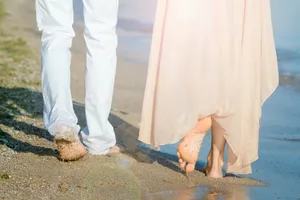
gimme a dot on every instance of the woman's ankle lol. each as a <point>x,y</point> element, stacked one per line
<point>203,125</point>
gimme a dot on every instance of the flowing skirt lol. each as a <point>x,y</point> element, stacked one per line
<point>212,58</point>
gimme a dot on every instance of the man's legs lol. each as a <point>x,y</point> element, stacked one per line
<point>101,40</point>
<point>55,19</point>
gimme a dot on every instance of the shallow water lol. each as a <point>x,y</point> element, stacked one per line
<point>279,163</point>
<point>206,193</point>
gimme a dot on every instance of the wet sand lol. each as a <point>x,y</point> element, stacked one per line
<point>143,174</point>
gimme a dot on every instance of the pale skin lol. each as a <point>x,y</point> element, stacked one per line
<point>115,149</point>
<point>189,148</point>
<point>70,151</point>
<point>70,148</point>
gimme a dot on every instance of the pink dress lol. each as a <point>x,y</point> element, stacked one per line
<point>213,58</point>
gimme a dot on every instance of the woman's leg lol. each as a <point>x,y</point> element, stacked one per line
<point>189,148</point>
<point>215,159</point>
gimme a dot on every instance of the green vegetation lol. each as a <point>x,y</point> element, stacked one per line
<point>17,82</point>
<point>4,176</point>
<point>2,10</point>
<point>13,52</point>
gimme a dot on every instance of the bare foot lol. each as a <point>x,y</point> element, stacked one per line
<point>214,172</point>
<point>68,144</point>
<point>214,165</point>
<point>215,159</point>
<point>189,148</point>
<point>70,151</point>
<point>115,150</point>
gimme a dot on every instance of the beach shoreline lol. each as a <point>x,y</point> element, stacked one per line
<point>34,172</point>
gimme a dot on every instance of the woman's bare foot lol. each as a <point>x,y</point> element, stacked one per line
<point>215,159</point>
<point>214,172</point>
<point>214,165</point>
<point>189,148</point>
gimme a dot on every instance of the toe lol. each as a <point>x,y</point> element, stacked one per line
<point>181,162</point>
<point>189,168</point>
<point>115,149</point>
<point>182,165</point>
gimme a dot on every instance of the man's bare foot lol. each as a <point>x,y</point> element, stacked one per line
<point>115,150</point>
<point>68,144</point>
<point>189,148</point>
<point>70,151</point>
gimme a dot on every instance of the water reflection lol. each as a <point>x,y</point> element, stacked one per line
<point>233,193</point>
<point>207,193</point>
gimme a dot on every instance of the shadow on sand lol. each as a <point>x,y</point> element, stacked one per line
<point>16,103</point>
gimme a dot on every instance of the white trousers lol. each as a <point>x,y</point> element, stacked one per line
<point>55,20</point>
